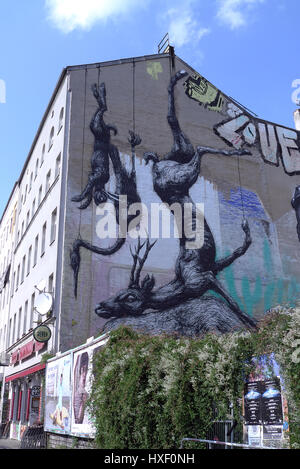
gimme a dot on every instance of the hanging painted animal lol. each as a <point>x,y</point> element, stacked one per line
<point>125,181</point>
<point>296,206</point>
<point>99,175</point>
<point>196,270</point>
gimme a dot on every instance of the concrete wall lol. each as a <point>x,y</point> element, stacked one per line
<point>55,441</point>
<point>257,186</point>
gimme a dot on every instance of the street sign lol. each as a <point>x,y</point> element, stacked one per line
<point>42,333</point>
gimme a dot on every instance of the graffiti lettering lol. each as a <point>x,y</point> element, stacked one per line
<point>2,91</point>
<point>268,143</point>
<point>272,140</point>
<point>296,93</point>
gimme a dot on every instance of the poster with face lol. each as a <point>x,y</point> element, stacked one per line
<point>58,395</point>
<point>82,381</point>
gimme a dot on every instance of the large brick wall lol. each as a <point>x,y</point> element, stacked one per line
<point>257,186</point>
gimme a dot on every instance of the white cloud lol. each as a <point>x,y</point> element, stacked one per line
<point>234,13</point>
<point>68,15</point>
<point>183,27</point>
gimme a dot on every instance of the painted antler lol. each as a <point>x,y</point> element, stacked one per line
<point>136,271</point>
<point>132,300</point>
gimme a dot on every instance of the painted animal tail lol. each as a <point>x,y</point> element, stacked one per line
<point>75,255</point>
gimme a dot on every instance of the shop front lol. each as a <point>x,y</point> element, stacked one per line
<point>25,390</point>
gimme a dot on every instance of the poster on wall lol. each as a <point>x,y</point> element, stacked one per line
<point>254,435</point>
<point>265,403</point>
<point>58,395</point>
<point>82,375</point>
<point>271,402</point>
<point>252,403</point>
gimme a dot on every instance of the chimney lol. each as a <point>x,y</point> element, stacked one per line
<point>297,119</point>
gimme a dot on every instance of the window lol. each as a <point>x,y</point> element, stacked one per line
<point>19,324</point>
<point>36,245</point>
<point>43,238</point>
<point>27,218</point>
<point>51,284</point>
<point>53,226</point>
<point>57,166</point>
<point>30,182</point>
<point>48,181</point>
<point>32,310</point>
<point>25,317</point>
<point>40,194</point>
<point>10,332</point>
<point>33,208</point>
<point>23,269</point>
<point>61,119</point>
<point>51,138</point>
<point>14,329</point>
<point>13,284</point>
<point>29,260</point>
<point>24,198</point>
<point>18,277</point>
<point>36,168</point>
<point>43,155</point>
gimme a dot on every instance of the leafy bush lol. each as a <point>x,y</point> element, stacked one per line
<point>152,391</point>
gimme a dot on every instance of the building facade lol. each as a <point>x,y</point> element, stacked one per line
<point>126,132</point>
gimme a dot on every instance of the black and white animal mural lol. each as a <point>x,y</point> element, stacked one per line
<point>195,301</point>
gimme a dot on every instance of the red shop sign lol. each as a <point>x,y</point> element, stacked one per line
<point>39,345</point>
<point>26,350</point>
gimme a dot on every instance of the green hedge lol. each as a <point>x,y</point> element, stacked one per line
<point>152,391</point>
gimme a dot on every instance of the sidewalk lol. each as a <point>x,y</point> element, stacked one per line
<point>8,443</point>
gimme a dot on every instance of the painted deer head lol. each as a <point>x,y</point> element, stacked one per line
<point>132,300</point>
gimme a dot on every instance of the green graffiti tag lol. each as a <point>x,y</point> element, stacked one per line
<point>154,68</point>
<point>199,89</point>
<point>262,296</point>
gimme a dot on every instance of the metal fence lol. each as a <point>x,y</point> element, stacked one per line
<point>223,434</point>
<point>34,438</point>
<point>212,444</point>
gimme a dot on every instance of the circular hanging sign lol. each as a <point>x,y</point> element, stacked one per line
<point>42,333</point>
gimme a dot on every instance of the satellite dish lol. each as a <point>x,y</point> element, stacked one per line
<point>43,303</point>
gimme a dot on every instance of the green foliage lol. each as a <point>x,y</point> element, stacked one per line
<point>45,357</point>
<point>152,391</point>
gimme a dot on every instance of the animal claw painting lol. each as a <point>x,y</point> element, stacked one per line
<point>196,269</point>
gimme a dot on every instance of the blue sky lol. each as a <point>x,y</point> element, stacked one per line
<point>247,48</point>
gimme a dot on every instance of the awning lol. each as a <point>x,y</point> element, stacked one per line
<point>26,372</point>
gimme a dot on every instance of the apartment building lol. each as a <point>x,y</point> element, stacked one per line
<point>83,156</point>
<point>29,253</point>
<point>7,242</point>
